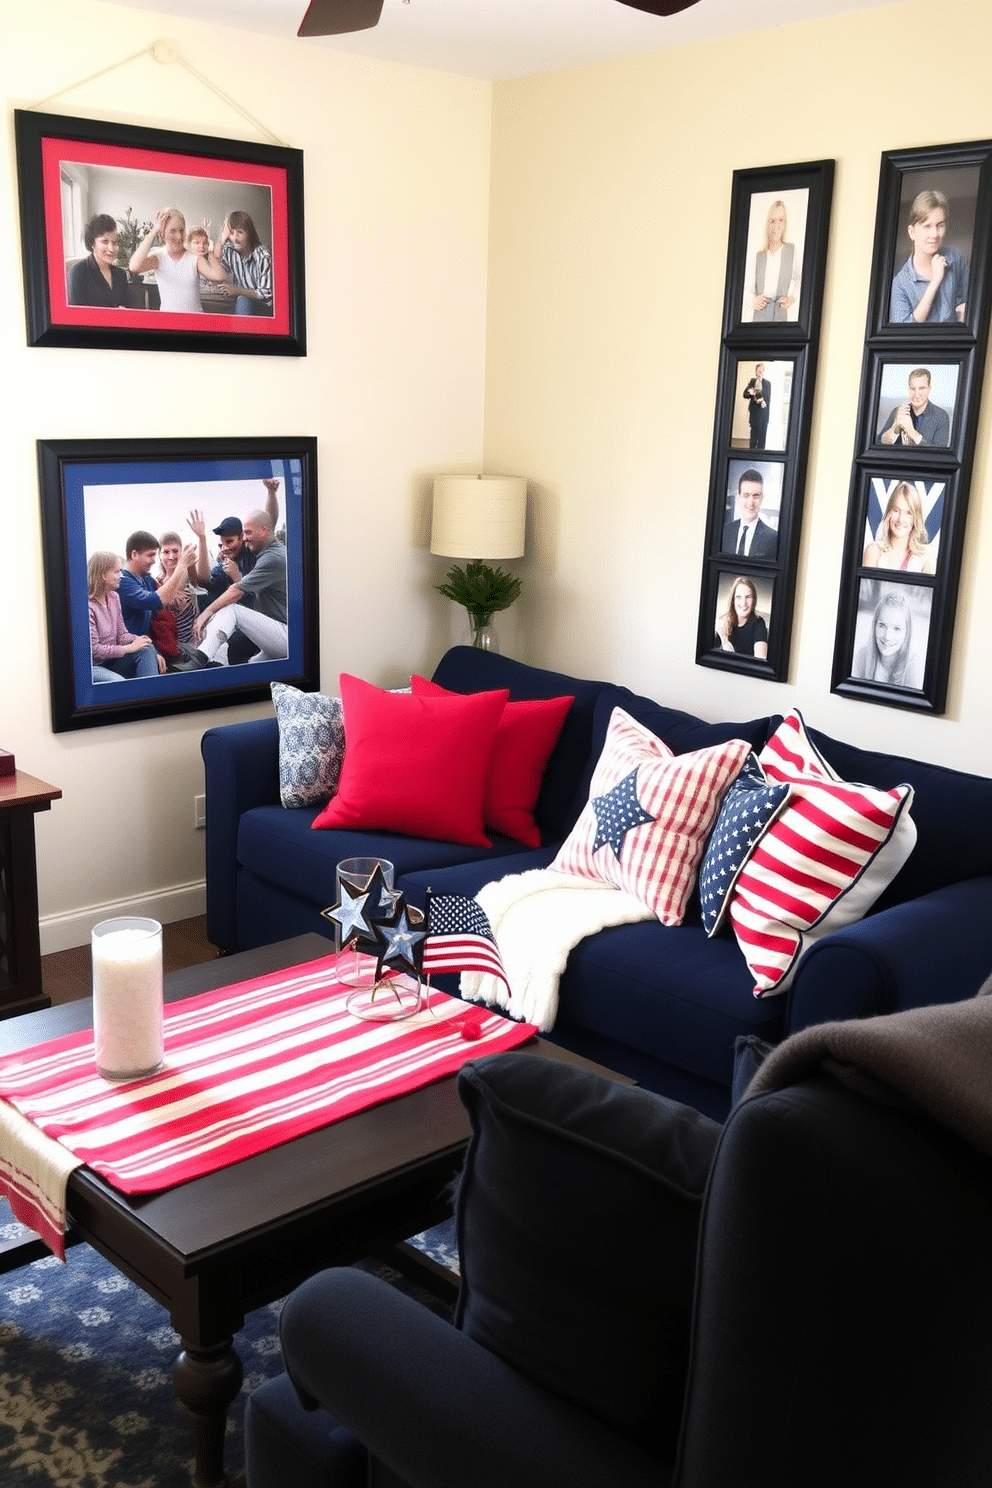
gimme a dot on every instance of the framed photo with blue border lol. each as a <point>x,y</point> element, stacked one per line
<point>151,240</point>
<point>120,517</point>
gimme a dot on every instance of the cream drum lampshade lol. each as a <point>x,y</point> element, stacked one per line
<point>479,516</point>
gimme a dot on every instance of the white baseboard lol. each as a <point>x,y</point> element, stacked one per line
<point>63,932</point>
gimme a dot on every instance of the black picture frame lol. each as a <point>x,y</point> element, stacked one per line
<point>70,170</point>
<point>97,493</point>
<point>959,172</point>
<point>944,186</point>
<point>895,381</point>
<point>762,455</point>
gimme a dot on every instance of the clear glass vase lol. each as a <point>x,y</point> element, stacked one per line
<point>482,633</point>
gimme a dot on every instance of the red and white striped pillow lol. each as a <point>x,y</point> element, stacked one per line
<point>822,863</point>
<point>680,793</point>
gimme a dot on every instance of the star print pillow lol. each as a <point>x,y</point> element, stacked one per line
<point>747,811</point>
<point>648,816</point>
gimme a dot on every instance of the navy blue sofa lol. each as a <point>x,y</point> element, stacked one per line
<point>663,1005</point>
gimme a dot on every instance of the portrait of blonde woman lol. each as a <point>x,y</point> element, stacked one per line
<point>901,539</point>
<point>889,652</point>
<point>774,264</point>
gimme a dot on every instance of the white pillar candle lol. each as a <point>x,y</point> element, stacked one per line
<point>127,997</point>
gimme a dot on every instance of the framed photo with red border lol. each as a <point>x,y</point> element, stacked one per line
<point>152,240</point>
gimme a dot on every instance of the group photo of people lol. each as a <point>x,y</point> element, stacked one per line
<point>185,590</point>
<point>179,245</point>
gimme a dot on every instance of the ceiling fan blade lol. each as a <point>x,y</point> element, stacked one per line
<point>660,7</point>
<point>335,17</point>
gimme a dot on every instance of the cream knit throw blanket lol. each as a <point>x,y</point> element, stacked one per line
<point>537,917</point>
<point>937,1059</point>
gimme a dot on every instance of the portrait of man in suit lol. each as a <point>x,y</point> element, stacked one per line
<point>757,395</point>
<point>748,536</point>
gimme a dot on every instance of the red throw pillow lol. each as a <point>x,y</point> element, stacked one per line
<point>527,733</point>
<point>414,765</point>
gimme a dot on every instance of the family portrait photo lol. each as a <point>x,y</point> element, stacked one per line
<point>189,577</point>
<point>141,238</point>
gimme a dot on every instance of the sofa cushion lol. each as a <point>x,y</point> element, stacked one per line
<point>822,863</point>
<point>648,816</point>
<point>527,733</point>
<point>278,847</point>
<point>952,811</point>
<point>670,992</point>
<point>311,745</point>
<point>746,812</point>
<point>565,786</point>
<point>564,1166</point>
<point>415,765</point>
<point>681,731</point>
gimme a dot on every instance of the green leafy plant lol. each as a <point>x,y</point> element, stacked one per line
<point>130,232</point>
<point>480,589</point>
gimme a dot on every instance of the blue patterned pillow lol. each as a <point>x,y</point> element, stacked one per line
<point>311,745</point>
<point>747,811</point>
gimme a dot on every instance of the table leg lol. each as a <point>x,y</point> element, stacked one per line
<point>206,1381</point>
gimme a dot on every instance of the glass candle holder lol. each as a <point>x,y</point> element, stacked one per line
<point>354,969</point>
<point>127,997</point>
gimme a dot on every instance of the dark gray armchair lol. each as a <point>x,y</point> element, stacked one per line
<point>833,1327</point>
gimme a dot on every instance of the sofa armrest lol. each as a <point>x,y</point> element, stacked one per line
<point>937,948</point>
<point>438,1409</point>
<point>241,770</point>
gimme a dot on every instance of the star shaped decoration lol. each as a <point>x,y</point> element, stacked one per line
<point>349,912</point>
<point>617,813</point>
<point>401,944</point>
<point>382,907</point>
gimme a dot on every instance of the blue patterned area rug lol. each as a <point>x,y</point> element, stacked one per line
<point>86,1397</point>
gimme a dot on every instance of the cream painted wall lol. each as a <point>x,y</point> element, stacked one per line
<point>611,195</point>
<point>396,165</point>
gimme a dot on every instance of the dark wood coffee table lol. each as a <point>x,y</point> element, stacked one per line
<point>218,1247</point>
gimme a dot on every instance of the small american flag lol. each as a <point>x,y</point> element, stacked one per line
<point>460,937</point>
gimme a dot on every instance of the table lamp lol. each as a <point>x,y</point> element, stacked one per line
<point>480,518</point>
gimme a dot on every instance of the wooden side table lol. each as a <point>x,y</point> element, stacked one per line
<point>21,796</point>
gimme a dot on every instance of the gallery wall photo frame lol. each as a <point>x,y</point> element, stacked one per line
<point>914,185</point>
<point>921,384</point>
<point>76,176</point>
<point>96,495</point>
<point>773,295</point>
<point>899,387</point>
<point>776,258</point>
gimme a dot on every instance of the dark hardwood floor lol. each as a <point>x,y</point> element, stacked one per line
<point>65,975</point>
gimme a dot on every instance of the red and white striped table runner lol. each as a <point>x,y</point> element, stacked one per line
<point>246,1068</point>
